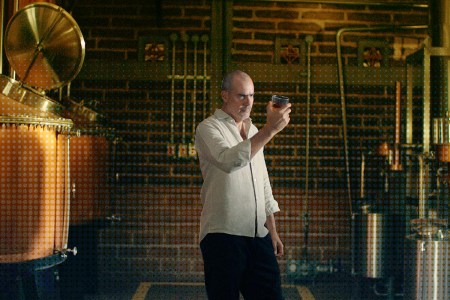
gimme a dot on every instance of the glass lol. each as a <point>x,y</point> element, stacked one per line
<point>279,101</point>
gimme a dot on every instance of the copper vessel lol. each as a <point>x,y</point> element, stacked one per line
<point>34,182</point>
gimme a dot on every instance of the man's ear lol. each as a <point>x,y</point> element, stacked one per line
<point>224,95</point>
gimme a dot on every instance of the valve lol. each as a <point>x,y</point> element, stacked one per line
<point>65,251</point>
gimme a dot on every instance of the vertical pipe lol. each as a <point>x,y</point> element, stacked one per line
<point>398,120</point>
<point>173,38</point>
<point>409,104</point>
<point>422,186</point>
<point>171,148</point>
<point>2,18</point>
<point>308,40</point>
<point>396,165</point>
<point>344,115</point>
<point>205,39</point>
<point>440,25</point>
<point>339,34</point>
<point>185,39</point>
<point>363,165</point>
<point>66,207</point>
<point>410,173</point>
<point>195,39</point>
<point>426,98</point>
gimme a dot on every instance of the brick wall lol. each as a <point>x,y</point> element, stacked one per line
<point>158,196</point>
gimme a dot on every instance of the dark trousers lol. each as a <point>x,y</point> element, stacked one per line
<point>236,264</point>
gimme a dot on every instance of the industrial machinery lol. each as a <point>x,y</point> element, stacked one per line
<point>93,147</point>
<point>45,48</point>
<point>401,235</point>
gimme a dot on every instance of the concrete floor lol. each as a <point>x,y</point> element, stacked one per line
<point>339,287</point>
<point>182,291</point>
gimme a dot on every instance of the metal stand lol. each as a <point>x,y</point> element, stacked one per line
<point>37,279</point>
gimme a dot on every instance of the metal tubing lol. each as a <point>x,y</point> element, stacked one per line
<point>421,187</point>
<point>173,38</point>
<point>205,39</point>
<point>420,4</point>
<point>308,40</point>
<point>185,39</point>
<point>342,83</point>
<point>396,164</point>
<point>195,39</point>
<point>2,18</point>
<point>66,220</point>
<point>363,169</point>
<point>398,119</point>
<point>426,97</point>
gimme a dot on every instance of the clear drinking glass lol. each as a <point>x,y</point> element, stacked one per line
<point>279,101</point>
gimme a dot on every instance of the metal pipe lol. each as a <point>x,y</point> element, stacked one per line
<point>2,18</point>
<point>396,164</point>
<point>195,40</point>
<point>191,148</point>
<point>440,25</point>
<point>341,85</point>
<point>398,119</point>
<point>171,147</point>
<point>363,170</point>
<point>66,220</point>
<point>205,39</point>
<point>422,4</point>
<point>421,187</point>
<point>308,40</point>
<point>183,147</point>
<point>426,97</point>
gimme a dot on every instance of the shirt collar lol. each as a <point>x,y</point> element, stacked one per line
<point>220,114</point>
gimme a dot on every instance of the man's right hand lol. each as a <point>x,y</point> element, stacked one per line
<point>277,117</point>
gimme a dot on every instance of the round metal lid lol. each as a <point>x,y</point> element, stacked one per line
<point>44,45</point>
<point>14,90</point>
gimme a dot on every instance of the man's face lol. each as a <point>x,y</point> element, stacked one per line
<point>238,100</point>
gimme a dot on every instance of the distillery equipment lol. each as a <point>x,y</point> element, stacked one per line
<point>427,273</point>
<point>427,245</point>
<point>91,144</point>
<point>34,179</point>
<point>371,242</point>
<point>379,216</point>
<point>45,48</point>
<point>91,173</point>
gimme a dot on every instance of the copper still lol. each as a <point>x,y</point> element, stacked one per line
<point>91,145</point>
<point>45,48</point>
<point>34,182</point>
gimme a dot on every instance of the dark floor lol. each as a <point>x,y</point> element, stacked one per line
<point>338,287</point>
<point>43,285</point>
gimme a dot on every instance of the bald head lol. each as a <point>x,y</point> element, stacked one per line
<point>237,95</point>
<point>228,80</point>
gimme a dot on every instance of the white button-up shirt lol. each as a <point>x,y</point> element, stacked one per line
<point>236,193</point>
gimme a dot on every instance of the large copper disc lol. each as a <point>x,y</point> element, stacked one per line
<point>44,45</point>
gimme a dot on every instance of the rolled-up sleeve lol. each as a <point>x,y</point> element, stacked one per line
<point>270,203</point>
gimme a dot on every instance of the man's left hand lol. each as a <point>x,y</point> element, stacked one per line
<point>277,245</point>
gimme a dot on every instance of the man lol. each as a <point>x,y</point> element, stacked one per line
<point>238,236</point>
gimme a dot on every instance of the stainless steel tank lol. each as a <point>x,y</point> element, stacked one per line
<point>427,266</point>
<point>377,243</point>
<point>370,243</point>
